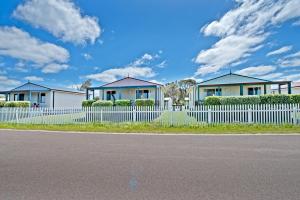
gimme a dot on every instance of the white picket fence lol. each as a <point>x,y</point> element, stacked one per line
<point>259,114</point>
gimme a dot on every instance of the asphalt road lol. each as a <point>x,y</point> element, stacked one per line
<point>44,166</point>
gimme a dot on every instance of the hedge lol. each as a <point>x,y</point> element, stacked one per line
<point>263,99</point>
<point>19,104</point>
<point>212,100</point>
<point>240,100</point>
<point>123,103</point>
<point>2,104</point>
<point>102,103</point>
<point>88,103</point>
<point>275,99</point>
<point>295,98</point>
<point>144,102</point>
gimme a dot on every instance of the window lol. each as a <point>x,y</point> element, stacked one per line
<point>254,91</point>
<point>142,94</point>
<point>110,95</point>
<point>43,98</point>
<point>21,97</point>
<point>214,92</point>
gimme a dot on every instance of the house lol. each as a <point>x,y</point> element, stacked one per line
<point>284,89</point>
<point>234,85</point>
<point>128,88</point>
<point>43,96</point>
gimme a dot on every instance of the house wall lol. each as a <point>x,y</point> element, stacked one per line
<point>34,98</point>
<point>66,99</point>
<point>129,93</point>
<point>226,91</point>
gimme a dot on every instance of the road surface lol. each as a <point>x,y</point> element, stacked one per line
<point>46,166</point>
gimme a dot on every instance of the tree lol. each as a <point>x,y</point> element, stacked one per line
<point>184,88</point>
<point>86,84</point>
<point>171,90</point>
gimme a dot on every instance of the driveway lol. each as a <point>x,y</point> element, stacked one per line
<point>45,165</point>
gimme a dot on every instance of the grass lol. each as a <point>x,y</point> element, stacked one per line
<point>179,118</point>
<point>156,128</point>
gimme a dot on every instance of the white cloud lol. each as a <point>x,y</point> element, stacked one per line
<point>242,31</point>
<point>292,77</point>
<point>145,59</point>
<point>161,65</point>
<point>257,71</point>
<point>74,86</point>
<point>34,78</point>
<point>5,81</point>
<point>280,51</point>
<point>272,76</point>
<point>54,68</point>
<point>87,56</point>
<point>226,51</point>
<point>20,45</point>
<point>61,18</point>
<point>3,72</point>
<point>297,23</point>
<point>292,60</point>
<point>113,74</point>
<point>138,68</point>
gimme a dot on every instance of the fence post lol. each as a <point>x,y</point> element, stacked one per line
<point>17,115</point>
<point>294,115</point>
<point>249,115</point>
<point>134,114</point>
<point>101,115</point>
<point>209,116</point>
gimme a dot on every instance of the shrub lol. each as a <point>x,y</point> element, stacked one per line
<point>213,100</point>
<point>275,99</point>
<point>295,98</point>
<point>144,102</point>
<point>123,103</point>
<point>240,100</point>
<point>102,103</point>
<point>2,104</point>
<point>88,103</point>
<point>19,104</point>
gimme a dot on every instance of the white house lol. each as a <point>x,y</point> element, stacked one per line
<point>234,85</point>
<point>128,88</point>
<point>42,96</point>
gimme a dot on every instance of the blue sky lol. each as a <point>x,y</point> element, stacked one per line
<point>64,42</point>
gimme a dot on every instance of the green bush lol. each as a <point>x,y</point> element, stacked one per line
<point>240,100</point>
<point>144,102</point>
<point>88,103</point>
<point>123,103</point>
<point>295,98</point>
<point>212,100</point>
<point>2,104</point>
<point>102,103</point>
<point>275,99</point>
<point>17,104</point>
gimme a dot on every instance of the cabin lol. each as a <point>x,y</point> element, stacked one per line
<point>128,89</point>
<point>235,85</point>
<point>44,96</point>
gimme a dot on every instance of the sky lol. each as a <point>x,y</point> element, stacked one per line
<point>65,42</point>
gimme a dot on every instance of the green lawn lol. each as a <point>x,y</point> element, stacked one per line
<point>156,128</point>
<point>177,118</point>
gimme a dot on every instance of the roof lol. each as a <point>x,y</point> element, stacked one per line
<point>129,82</point>
<point>36,87</point>
<point>232,79</point>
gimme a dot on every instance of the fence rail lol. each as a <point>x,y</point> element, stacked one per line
<point>259,114</point>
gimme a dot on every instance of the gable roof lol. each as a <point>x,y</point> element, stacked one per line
<point>231,78</point>
<point>129,82</point>
<point>36,87</point>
